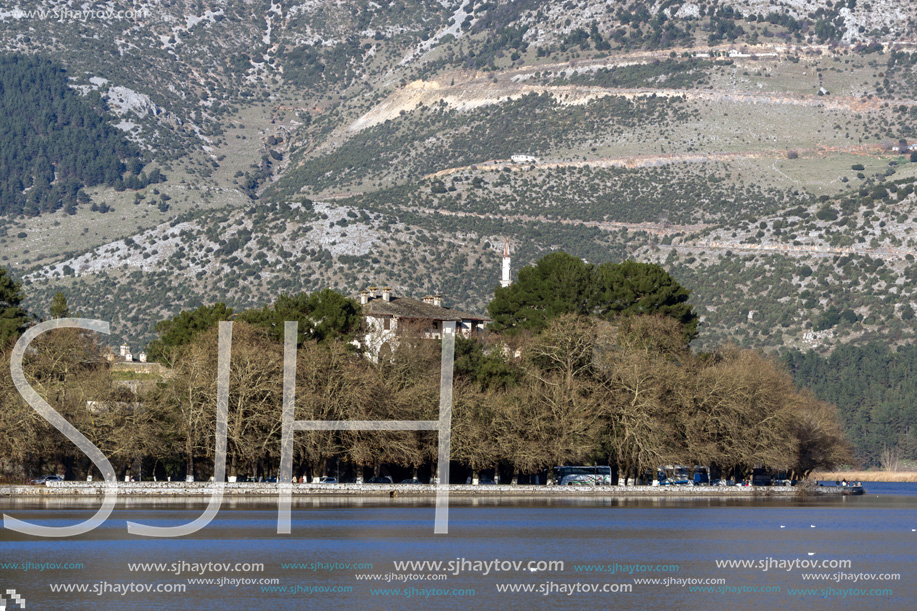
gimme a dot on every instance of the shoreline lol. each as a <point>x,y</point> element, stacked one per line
<point>249,489</point>
<point>867,476</point>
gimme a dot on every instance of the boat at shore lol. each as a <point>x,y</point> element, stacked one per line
<point>843,490</point>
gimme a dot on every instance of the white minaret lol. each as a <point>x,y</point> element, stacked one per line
<point>505,282</point>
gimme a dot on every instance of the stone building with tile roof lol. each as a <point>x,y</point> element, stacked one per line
<point>387,316</point>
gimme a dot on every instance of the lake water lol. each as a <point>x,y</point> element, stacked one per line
<point>610,550</point>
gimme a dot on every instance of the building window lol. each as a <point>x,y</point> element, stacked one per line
<point>387,324</point>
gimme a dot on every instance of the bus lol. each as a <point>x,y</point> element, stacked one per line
<point>598,475</point>
<point>677,475</point>
<point>761,477</point>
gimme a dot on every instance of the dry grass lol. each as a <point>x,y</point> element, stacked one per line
<point>868,476</point>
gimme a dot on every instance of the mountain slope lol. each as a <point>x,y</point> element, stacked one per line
<point>342,144</point>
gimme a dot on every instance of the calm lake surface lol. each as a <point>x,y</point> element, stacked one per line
<point>864,542</point>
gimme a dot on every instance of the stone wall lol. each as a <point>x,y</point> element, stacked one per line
<point>268,489</point>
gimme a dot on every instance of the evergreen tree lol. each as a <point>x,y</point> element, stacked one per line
<point>182,329</point>
<point>323,315</point>
<point>55,139</point>
<point>59,308</point>
<point>641,288</point>
<point>560,283</point>
<point>875,389</point>
<point>13,317</point>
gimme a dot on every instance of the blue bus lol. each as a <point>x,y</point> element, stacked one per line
<point>598,475</point>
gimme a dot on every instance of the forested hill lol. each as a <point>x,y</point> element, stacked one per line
<point>53,142</point>
<point>875,390</point>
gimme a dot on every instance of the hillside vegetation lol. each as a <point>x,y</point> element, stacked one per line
<point>53,142</point>
<point>758,151</point>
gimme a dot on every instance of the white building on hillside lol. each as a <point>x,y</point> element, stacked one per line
<point>387,317</point>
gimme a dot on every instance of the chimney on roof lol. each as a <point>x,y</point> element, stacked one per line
<point>364,297</point>
<point>372,292</point>
<point>386,293</point>
<point>438,300</point>
<point>125,350</point>
<point>428,299</point>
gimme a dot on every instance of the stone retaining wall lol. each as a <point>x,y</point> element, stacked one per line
<point>268,489</point>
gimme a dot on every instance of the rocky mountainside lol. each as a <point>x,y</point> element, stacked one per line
<point>755,148</point>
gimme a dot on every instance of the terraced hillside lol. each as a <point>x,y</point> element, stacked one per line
<point>754,148</point>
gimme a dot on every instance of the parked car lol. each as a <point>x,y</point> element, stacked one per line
<point>411,481</point>
<point>327,480</point>
<point>486,481</point>
<point>379,479</point>
<point>47,478</point>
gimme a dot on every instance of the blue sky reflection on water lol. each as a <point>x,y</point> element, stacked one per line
<point>877,533</point>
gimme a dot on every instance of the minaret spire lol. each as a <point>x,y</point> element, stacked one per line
<point>506,280</point>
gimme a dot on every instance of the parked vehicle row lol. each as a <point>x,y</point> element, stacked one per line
<point>564,476</point>
<point>46,478</point>
<point>669,475</point>
<point>759,477</point>
<point>327,479</point>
